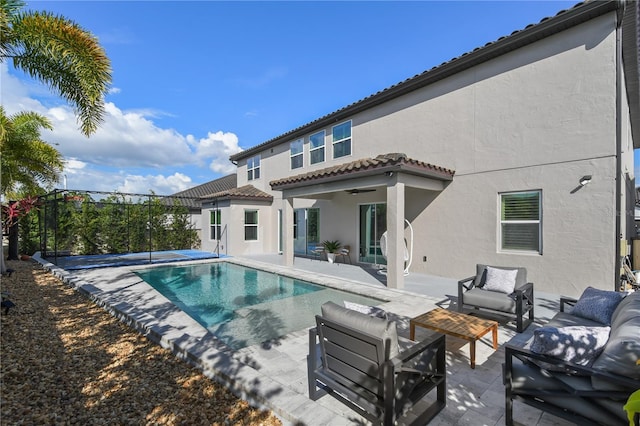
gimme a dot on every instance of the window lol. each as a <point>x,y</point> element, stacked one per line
<point>521,221</point>
<point>251,225</point>
<point>215,223</point>
<point>296,154</point>
<point>342,140</point>
<point>316,147</point>
<point>253,168</point>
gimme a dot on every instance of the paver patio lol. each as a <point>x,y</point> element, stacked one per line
<point>274,375</point>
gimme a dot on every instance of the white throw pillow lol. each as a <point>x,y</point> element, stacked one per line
<point>369,310</point>
<point>502,280</point>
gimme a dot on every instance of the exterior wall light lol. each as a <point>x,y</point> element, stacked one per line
<point>585,180</point>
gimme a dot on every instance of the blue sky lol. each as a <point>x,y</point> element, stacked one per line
<point>194,82</point>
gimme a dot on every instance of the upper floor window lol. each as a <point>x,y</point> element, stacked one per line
<point>251,225</point>
<point>215,223</point>
<point>316,147</point>
<point>296,153</point>
<point>521,221</point>
<point>253,168</point>
<point>342,139</point>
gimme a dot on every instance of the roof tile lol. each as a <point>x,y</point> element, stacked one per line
<point>382,162</point>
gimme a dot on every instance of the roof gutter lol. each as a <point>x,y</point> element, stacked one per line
<point>620,180</point>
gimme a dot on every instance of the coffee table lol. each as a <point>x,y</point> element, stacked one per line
<point>455,324</point>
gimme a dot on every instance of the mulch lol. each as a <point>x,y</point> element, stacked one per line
<point>66,361</point>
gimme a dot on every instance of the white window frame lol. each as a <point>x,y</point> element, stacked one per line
<point>215,224</point>
<point>296,155</point>
<point>251,225</point>
<point>502,222</point>
<point>313,149</point>
<point>253,167</point>
<point>343,140</point>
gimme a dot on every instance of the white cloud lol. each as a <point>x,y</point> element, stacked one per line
<point>125,140</point>
<point>159,184</point>
<point>114,90</point>
<point>80,177</point>
<point>216,149</point>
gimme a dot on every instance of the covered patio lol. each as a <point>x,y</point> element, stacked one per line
<point>391,174</point>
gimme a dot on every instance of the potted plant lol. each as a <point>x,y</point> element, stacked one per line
<point>331,247</point>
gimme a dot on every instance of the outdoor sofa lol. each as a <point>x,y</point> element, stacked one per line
<point>499,290</point>
<point>583,364</point>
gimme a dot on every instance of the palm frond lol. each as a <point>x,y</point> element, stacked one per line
<point>67,58</point>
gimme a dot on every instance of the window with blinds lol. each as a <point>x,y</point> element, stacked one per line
<point>521,221</point>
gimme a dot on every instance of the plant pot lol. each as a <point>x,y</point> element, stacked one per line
<point>331,257</point>
<point>25,257</point>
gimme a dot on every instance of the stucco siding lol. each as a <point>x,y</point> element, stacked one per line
<point>459,228</point>
<point>537,118</point>
<point>532,106</point>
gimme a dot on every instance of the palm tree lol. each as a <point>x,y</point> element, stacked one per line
<point>27,163</point>
<point>59,53</point>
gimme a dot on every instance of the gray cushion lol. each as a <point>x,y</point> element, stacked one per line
<point>564,319</point>
<point>576,344</point>
<point>622,351</point>
<point>597,305</point>
<point>490,300</point>
<point>362,322</point>
<point>481,275</point>
<point>627,309</point>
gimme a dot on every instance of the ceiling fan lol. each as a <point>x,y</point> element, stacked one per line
<point>359,191</point>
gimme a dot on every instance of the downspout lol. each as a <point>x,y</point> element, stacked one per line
<point>619,177</point>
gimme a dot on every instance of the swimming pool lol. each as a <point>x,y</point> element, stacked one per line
<point>243,306</point>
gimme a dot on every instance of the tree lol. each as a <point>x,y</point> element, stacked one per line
<point>27,163</point>
<point>59,53</point>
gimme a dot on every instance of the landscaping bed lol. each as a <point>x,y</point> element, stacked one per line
<point>64,360</point>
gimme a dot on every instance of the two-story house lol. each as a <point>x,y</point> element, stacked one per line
<point>519,152</point>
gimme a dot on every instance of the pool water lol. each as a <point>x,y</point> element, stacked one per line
<point>243,306</point>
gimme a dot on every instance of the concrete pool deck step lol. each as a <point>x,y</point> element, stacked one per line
<point>273,374</point>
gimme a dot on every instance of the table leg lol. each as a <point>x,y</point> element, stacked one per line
<point>472,347</point>
<point>412,331</point>
<point>495,337</point>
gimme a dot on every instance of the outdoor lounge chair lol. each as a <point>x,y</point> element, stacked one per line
<point>356,358</point>
<point>499,290</point>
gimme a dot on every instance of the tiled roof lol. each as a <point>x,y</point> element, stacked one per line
<point>248,192</point>
<point>580,13</point>
<point>380,164</point>
<point>192,197</point>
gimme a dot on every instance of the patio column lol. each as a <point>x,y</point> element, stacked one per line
<point>395,235</point>
<point>287,231</point>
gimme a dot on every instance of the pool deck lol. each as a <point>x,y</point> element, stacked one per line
<point>274,375</point>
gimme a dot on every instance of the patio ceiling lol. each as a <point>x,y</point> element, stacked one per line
<point>363,175</point>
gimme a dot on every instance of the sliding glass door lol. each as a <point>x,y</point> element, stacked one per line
<point>373,223</point>
<point>306,230</point>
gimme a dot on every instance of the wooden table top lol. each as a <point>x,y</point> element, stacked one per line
<point>454,323</point>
